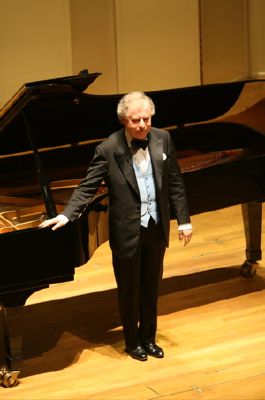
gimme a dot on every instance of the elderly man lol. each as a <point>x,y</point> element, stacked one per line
<point>138,164</point>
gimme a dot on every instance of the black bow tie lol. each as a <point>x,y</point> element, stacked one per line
<point>139,144</point>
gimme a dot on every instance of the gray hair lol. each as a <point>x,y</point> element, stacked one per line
<point>127,99</point>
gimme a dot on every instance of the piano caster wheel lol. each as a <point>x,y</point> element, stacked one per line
<point>248,269</point>
<point>8,378</point>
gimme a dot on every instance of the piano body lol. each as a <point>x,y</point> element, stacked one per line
<point>35,144</point>
<point>48,133</point>
<point>219,135</point>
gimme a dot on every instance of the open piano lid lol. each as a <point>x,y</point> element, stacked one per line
<point>60,113</point>
<point>49,107</point>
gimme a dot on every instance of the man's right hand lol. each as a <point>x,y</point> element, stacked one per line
<point>56,222</point>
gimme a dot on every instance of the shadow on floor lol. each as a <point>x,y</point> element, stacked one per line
<point>55,332</point>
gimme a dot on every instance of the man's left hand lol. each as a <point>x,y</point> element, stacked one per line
<point>185,236</point>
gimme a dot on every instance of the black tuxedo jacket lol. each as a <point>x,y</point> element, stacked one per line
<point>112,163</point>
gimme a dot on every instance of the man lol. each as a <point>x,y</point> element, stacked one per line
<point>138,164</point>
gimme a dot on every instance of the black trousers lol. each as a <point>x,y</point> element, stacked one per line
<point>138,281</point>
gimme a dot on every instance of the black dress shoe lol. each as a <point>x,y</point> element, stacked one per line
<point>153,350</point>
<point>138,353</point>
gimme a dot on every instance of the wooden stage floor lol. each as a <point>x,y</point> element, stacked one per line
<point>211,325</point>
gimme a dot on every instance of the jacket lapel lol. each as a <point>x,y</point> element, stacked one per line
<point>156,154</point>
<point>124,160</point>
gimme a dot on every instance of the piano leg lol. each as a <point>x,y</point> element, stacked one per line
<point>8,378</point>
<point>252,218</point>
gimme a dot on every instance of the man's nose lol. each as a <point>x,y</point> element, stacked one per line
<point>142,123</point>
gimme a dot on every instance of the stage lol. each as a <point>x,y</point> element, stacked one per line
<point>211,326</point>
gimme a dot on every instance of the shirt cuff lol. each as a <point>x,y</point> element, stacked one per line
<point>184,227</point>
<point>64,218</point>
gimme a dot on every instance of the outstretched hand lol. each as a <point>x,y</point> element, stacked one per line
<point>56,222</point>
<point>185,236</point>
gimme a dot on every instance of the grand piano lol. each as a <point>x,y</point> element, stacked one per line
<point>48,133</point>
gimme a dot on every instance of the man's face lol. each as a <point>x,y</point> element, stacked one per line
<point>138,121</point>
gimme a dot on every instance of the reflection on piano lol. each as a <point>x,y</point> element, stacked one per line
<point>48,133</point>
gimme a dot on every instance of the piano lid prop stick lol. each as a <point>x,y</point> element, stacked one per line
<point>41,175</point>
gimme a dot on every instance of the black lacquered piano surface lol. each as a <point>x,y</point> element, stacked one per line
<point>48,133</point>
<point>219,136</point>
